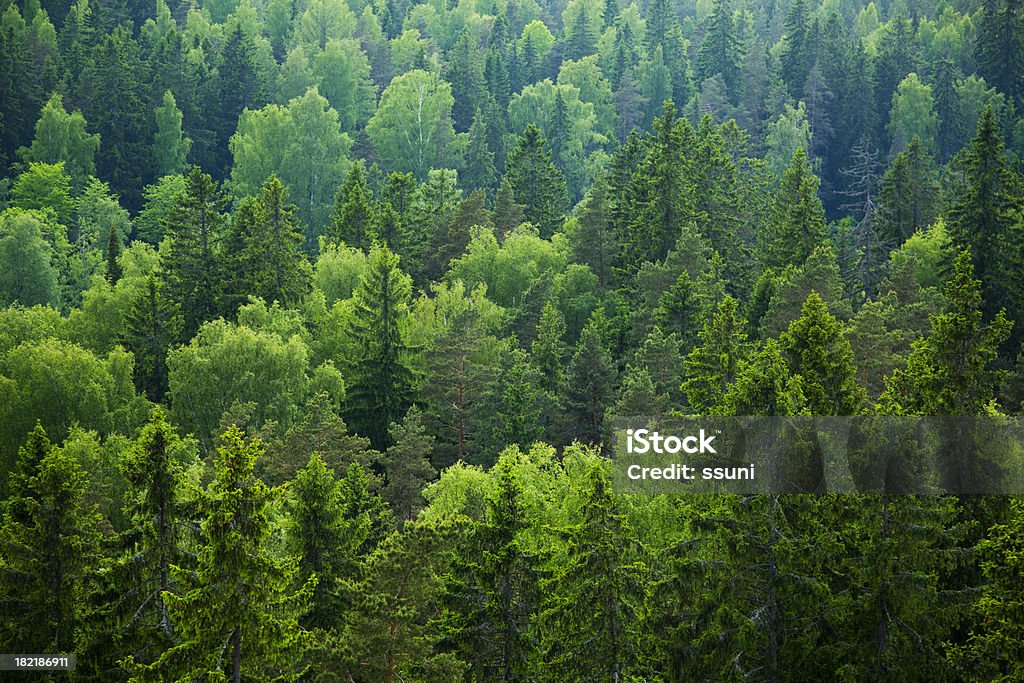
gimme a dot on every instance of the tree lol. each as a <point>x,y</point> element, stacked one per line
<point>407,466</point>
<point>227,366</point>
<point>588,391</point>
<point>49,551</point>
<point>343,75</point>
<point>352,217</point>
<point>590,235</point>
<point>381,388</point>
<point>765,386</point>
<point>913,114</point>
<point>536,183</point>
<point>478,167</point>
<point>156,542</point>
<point>151,325</point>
<point>465,72</point>
<point>191,265</point>
<point>796,218</point>
<point>113,271</point>
<point>491,594</point>
<point>595,598</point>
<point>713,366</point>
<point>817,350</point>
<point>950,371</point>
<point>412,127</point>
<point>241,618</point>
<point>170,146</point>
<point>45,187</point>
<point>908,194</point>
<point>720,51</point>
<point>999,47</point>
<point>237,87</point>
<point>26,274</point>
<point>302,143</point>
<point>61,136</point>
<point>266,259</point>
<point>983,219</point>
<point>324,540</point>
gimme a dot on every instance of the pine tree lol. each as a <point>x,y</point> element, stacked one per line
<point>151,326</point>
<point>49,551</point>
<point>817,350</point>
<point>352,217</point>
<point>713,366</point>
<point>536,183</point>
<point>241,618</point>
<point>192,264</point>
<point>381,389</point>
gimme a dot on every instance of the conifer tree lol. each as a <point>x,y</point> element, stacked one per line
<point>712,367</point>
<point>536,182</point>
<point>984,220</point>
<point>241,618</point>
<point>818,351</point>
<point>49,551</point>
<point>519,416</point>
<point>595,599</point>
<point>588,391</point>
<point>720,51</point>
<point>479,171</point>
<point>192,264</point>
<point>324,540</point>
<point>999,47</point>
<point>352,218</point>
<point>908,194</point>
<point>796,218</point>
<point>156,542</point>
<point>491,594</point>
<point>950,372</point>
<point>113,271</point>
<point>265,259</point>
<point>381,389</point>
<point>548,351</point>
<point>151,325</point>
<point>407,466</point>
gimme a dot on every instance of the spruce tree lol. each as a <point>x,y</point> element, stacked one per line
<point>588,391</point>
<point>720,51</point>
<point>817,350</point>
<point>536,182</point>
<point>265,259</point>
<point>192,265</point>
<point>479,171</point>
<point>713,366</point>
<point>49,550</point>
<point>381,388</point>
<point>796,217</point>
<point>908,194</point>
<point>999,47</point>
<point>151,326</point>
<point>113,270</point>
<point>595,599</point>
<point>241,618</point>
<point>548,351</point>
<point>984,219</point>
<point>407,466</point>
<point>352,217</point>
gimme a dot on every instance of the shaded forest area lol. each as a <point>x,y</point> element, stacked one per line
<point>317,314</point>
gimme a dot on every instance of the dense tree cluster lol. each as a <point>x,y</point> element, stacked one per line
<point>317,315</point>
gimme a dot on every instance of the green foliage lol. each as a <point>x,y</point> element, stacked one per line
<point>381,388</point>
<point>242,615</point>
<point>26,274</point>
<point>62,137</point>
<point>535,182</point>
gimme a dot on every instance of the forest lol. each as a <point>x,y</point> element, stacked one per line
<point>318,315</point>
